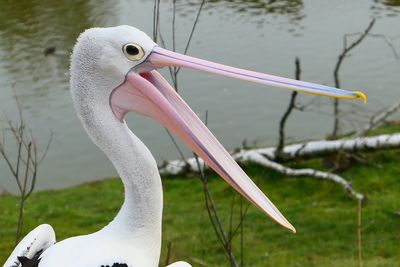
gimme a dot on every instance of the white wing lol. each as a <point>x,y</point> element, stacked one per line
<point>33,244</point>
<point>180,264</point>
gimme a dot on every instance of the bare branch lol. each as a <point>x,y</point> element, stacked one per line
<point>359,230</point>
<point>342,56</point>
<point>213,214</point>
<point>156,19</point>
<point>44,155</point>
<point>173,70</point>
<point>379,118</point>
<point>292,103</point>
<point>263,161</point>
<point>26,177</point>
<point>193,29</point>
<point>173,25</point>
<point>386,40</point>
<point>168,257</point>
<point>11,167</point>
<point>26,156</point>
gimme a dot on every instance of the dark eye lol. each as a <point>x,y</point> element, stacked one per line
<point>133,51</point>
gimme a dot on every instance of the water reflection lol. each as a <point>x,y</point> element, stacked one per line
<point>389,2</point>
<point>259,7</point>
<point>389,8</point>
<point>253,10</point>
<point>29,27</point>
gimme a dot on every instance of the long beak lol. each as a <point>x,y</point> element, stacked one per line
<point>148,93</point>
<point>160,57</point>
<point>151,95</point>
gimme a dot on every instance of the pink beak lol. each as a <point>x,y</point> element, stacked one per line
<point>148,93</point>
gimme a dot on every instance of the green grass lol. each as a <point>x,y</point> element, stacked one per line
<point>325,217</point>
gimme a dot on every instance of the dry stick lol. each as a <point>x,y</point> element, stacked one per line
<point>46,149</point>
<point>156,33</point>
<point>177,69</point>
<point>243,214</point>
<point>10,166</point>
<point>210,205</point>
<point>385,40</point>
<point>169,249</point>
<point>156,19</point>
<point>173,71</point>
<point>19,139</point>
<point>379,118</point>
<point>213,214</point>
<point>27,157</point>
<point>231,222</point>
<point>193,29</point>
<point>241,232</point>
<point>174,74</point>
<point>263,161</point>
<point>21,133</point>
<point>279,153</point>
<point>234,230</point>
<point>35,164</point>
<point>23,197</point>
<point>175,144</point>
<point>359,248</point>
<point>215,219</point>
<point>342,56</point>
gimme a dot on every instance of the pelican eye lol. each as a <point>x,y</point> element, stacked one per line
<point>133,52</point>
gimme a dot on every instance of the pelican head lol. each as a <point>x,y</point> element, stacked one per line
<point>124,60</point>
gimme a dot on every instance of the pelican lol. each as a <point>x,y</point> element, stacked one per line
<point>112,72</point>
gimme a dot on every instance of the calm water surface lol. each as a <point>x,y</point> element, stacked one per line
<point>259,35</point>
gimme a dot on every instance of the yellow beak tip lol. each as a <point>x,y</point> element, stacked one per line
<point>362,96</point>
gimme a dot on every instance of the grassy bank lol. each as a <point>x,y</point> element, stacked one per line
<point>321,211</point>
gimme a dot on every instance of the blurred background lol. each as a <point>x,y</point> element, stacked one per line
<point>37,37</point>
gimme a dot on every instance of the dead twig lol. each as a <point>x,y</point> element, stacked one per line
<point>156,19</point>
<point>346,50</point>
<point>359,230</point>
<point>193,29</point>
<point>263,161</point>
<point>24,167</point>
<point>169,251</point>
<point>289,109</point>
<point>225,237</point>
<point>173,70</point>
<point>379,118</point>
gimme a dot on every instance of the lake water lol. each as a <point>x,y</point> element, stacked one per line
<point>259,35</point>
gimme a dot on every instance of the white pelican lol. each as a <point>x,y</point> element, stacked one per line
<point>113,72</point>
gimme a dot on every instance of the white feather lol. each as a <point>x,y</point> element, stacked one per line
<point>39,239</point>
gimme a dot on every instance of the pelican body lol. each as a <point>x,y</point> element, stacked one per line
<point>113,71</point>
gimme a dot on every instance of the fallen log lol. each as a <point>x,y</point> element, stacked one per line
<point>266,156</point>
<point>311,149</point>
<point>265,162</point>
